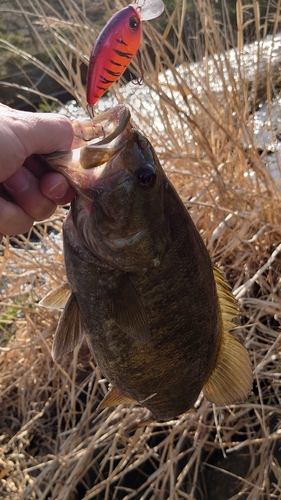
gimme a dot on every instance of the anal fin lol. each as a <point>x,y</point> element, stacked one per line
<point>114,398</point>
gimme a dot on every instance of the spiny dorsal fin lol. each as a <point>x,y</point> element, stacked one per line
<point>231,379</point>
<point>228,304</point>
<point>56,299</point>
<point>114,398</point>
<point>69,330</point>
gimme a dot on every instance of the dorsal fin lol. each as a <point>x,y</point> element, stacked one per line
<point>228,304</point>
<point>57,298</point>
<point>231,379</point>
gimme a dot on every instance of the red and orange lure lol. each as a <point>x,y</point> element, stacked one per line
<point>116,45</point>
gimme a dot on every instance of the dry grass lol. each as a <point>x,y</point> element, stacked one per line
<point>54,443</point>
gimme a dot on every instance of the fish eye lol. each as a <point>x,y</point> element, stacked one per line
<point>146,177</point>
<point>133,22</point>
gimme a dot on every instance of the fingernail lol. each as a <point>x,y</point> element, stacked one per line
<point>58,190</point>
<point>18,182</point>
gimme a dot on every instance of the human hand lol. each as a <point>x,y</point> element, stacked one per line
<point>33,193</point>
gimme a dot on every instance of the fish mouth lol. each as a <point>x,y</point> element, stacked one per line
<point>99,140</point>
<point>103,128</point>
<point>120,243</point>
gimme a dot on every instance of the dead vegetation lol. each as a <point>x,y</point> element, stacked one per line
<point>54,443</point>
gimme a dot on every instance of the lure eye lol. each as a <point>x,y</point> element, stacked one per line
<point>133,22</point>
<point>146,177</point>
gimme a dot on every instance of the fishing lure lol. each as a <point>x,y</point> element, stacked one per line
<point>116,45</point>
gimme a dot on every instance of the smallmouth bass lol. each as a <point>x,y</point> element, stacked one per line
<point>141,286</point>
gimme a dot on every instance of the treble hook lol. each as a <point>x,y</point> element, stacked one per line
<point>140,79</point>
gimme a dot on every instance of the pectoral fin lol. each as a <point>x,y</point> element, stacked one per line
<point>69,330</point>
<point>57,298</point>
<point>231,380</point>
<point>129,311</point>
<point>114,398</point>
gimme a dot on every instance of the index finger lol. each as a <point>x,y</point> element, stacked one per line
<point>26,133</point>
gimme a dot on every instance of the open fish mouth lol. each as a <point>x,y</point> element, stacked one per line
<point>102,129</point>
<point>96,141</point>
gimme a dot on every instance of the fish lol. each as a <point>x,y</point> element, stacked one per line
<point>157,315</point>
<point>116,45</point>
